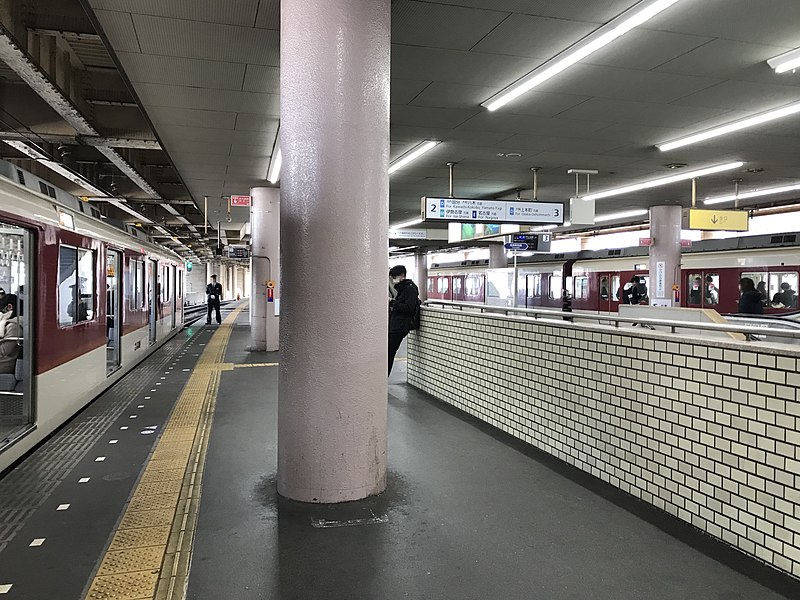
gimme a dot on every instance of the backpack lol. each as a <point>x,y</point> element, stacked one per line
<point>415,316</point>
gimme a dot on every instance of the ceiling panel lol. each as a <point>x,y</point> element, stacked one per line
<point>723,58</point>
<point>251,151</point>
<point>422,116</point>
<point>198,98</point>
<point>441,26</point>
<point>211,119</point>
<point>209,41</point>
<point>169,70</point>
<point>596,11</point>
<point>644,113</point>
<point>404,91</point>
<point>269,14</point>
<point>118,26</point>
<point>257,122</point>
<point>534,37</point>
<point>646,49</point>
<point>261,78</point>
<point>512,124</point>
<point>192,134</point>
<point>231,12</point>
<point>743,95</point>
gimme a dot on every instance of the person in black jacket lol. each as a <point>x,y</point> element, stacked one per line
<point>213,296</point>
<point>402,310</point>
<point>750,299</point>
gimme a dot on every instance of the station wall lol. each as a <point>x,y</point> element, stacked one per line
<point>704,430</point>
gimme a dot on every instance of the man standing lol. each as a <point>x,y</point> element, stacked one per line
<point>213,295</point>
<point>403,309</point>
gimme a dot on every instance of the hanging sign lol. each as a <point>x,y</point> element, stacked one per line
<point>718,220</point>
<point>240,200</point>
<point>463,210</point>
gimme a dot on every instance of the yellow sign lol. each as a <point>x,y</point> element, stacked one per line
<point>718,220</point>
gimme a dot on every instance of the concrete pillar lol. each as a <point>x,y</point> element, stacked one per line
<point>497,256</point>
<point>265,231</point>
<point>665,254</point>
<point>334,239</point>
<point>421,261</point>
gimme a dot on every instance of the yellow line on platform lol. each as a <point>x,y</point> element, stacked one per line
<point>150,552</point>
<point>249,365</point>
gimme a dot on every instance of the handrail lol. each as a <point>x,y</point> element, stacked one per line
<point>571,316</point>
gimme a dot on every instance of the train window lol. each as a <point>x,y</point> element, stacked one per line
<point>76,285</point>
<point>695,287</point>
<point>616,287</point>
<point>430,284</point>
<point>783,289</point>
<point>760,281</point>
<point>582,287</point>
<point>444,285</point>
<point>604,287</point>
<point>136,284</point>
<point>473,284</point>
<point>711,289</point>
<point>535,286</point>
<point>457,285</point>
<point>556,282</point>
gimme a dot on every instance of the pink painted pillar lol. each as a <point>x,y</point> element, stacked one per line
<point>334,239</point>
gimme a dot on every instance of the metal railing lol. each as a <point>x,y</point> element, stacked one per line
<point>540,314</point>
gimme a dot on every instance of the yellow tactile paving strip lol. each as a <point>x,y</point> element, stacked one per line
<point>150,551</point>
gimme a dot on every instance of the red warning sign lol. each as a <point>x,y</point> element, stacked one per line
<point>270,295</point>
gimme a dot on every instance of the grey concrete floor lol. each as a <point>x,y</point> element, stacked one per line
<point>469,517</point>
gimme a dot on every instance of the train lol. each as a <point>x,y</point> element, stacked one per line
<point>594,281</point>
<point>93,298</point>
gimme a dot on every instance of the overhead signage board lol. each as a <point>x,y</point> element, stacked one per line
<point>718,220</point>
<point>238,252</point>
<point>461,210</point>
<point>240,200</point>
<point>538,242</point>
<point>408,234</point>
<point>516,246</point>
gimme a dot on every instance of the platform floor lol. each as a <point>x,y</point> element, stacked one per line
<point>467,514</point>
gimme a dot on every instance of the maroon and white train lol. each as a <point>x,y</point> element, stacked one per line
<point>709,277</point>
<point>93,300</point>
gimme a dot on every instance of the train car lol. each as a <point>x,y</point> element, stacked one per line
<point>91,301</point>
<point>592,282</point>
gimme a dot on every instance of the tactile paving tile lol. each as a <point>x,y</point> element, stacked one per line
<point>147,518</point>
<point>165,475</point>
<point>124,586</point>
<point>159,487</point>
<point>139,538</point>
<point>132,560</point>
<point>142,502</point>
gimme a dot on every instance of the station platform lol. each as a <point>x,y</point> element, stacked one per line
<point>165,488</point>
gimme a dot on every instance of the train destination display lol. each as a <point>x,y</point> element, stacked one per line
<point>461,210</point>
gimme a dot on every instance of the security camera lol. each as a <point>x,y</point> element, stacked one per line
<point>228,218</point>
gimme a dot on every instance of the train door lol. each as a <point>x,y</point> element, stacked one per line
<point>533,290</point>
<point>17,409</point>
<point>609,286</point>
<point>174,292</point>
<point>702,289</point>
<point>113,310</point>
<point>153,299</point>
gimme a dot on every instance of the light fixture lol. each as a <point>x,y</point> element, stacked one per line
<point>413,154</point>
<point>409,223</point>
<point>758,119</point>
<point>275,165</point>
<point>123,206</point>
<point>26,149</point>
<point>753,194</point>
<point>73,177</point>
<point>626,214</point>
<point>645,185</point>
<point>788,61</point>
<point>622,24</point>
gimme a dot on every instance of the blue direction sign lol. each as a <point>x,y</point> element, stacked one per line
<point>516,246</point>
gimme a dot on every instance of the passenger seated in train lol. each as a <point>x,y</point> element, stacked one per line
<point>787,296</point>
<point>761,288</point>
<point>10,332</point>
<point>749,300</point>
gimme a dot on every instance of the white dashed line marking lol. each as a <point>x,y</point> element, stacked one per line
<point>140,406</point>
<point>186,370</point>
<point>113,441</point>
<point>5,587</point>
<point>152,390</point>
<point>124,427</point>
<point>147,397</point>
<point>132,417</point>
<point>159,383</point>
<point>36,542</point>
<point>84,480</point>
<point>100,459</point>
<point>63,507</point>
<point>162,378</point>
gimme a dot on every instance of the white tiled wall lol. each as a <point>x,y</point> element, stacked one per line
<point>707,431</point>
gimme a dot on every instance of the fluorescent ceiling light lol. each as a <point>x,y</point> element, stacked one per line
<point>413,154</point>
<point>408,223</point>
<point>753,194</point>
<point>26,149</point>
<point>275,166</point>
<point>786,62</point>
<point>627,214</point>
<point>765,117</point>
<point>619,26</point>
<point>663,181</point>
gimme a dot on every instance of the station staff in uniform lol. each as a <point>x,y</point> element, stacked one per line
<point>213,296</point>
